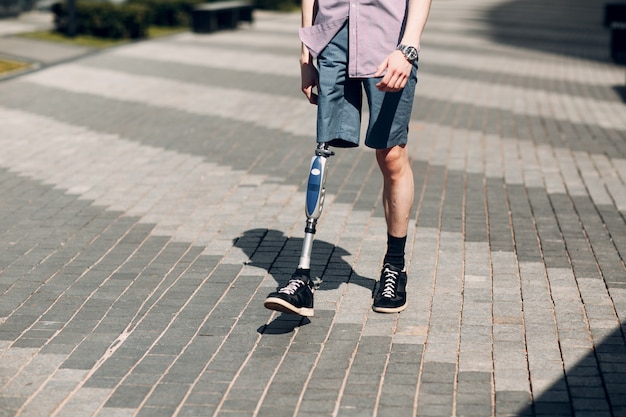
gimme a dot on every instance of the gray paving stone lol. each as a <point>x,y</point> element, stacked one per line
<point>156,241</point>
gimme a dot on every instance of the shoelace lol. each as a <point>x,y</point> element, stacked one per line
<point>292,286</point>
<point>390,283</point>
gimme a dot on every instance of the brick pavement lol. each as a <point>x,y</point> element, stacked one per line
<point>153,195</point>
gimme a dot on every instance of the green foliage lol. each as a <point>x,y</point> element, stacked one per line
<point>104,20</point>
<point>132,19</point>
<point>285,5</point>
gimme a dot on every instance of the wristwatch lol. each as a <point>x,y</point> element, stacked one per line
<point>410,53</point>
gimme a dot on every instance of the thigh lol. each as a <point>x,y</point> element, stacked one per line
<point>340,98</point>
<point>390,113</point>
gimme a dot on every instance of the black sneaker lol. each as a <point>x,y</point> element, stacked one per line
<point>294,298</point>
<point>390,295</point>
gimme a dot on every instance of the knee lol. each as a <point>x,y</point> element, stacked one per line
<point>393,162</point>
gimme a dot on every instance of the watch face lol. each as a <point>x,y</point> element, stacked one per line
<point>411,53</point>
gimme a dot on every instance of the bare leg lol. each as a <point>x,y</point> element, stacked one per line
<point>390,294</point>
<point>398,192</point>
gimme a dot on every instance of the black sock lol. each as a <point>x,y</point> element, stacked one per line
<point>395,251</point>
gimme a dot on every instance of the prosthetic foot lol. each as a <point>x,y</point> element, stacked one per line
<point>297,296</point>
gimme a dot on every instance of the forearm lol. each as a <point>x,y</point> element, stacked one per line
<point>308,13</point>
<point>417,14</point>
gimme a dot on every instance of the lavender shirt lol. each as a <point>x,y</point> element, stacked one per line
<point>375,29</point>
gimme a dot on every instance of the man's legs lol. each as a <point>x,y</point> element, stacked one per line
<point>398,195</point>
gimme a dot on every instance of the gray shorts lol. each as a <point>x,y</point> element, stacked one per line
<point>341,99</point>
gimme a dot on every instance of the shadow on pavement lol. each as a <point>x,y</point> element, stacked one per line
<point>279,256</point>
<point>565,27</point>
<point>621,91</point>
<point>595,386</point>
<point>283,324</point>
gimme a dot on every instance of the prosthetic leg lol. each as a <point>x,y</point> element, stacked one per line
<point>297,296</point>
<point>315,194</point>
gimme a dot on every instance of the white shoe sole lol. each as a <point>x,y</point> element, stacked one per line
<point>389,310</point>
<point>278,304</point>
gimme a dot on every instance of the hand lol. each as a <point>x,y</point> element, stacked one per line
<point>310,80</point>
<point>398,70</point>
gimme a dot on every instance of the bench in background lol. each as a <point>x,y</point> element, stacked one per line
<point>614,12</point>
<point>209,17</point>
